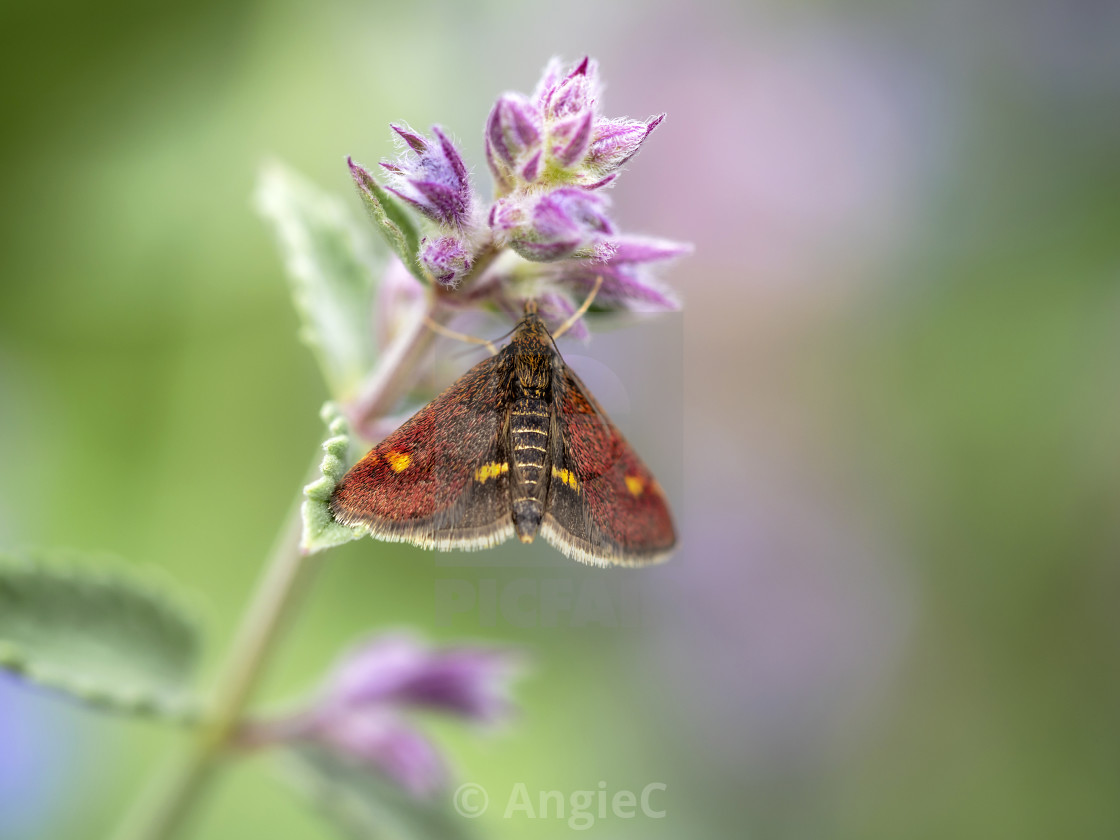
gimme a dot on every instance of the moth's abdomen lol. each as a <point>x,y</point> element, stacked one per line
<point>529,425</point>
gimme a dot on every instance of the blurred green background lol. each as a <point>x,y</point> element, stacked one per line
<point>895,461</point>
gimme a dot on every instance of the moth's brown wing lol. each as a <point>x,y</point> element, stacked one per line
<point>442,479</point>
<point>604,505</point>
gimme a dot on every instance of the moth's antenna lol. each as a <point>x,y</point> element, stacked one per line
<point>583,307</point>
<point>436,326</point>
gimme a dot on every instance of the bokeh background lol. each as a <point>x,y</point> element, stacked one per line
<point>888,416</point>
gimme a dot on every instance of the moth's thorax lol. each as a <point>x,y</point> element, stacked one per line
<point>531,332</point>
<point>532,354</point>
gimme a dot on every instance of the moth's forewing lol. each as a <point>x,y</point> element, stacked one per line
<point>441,480</point>
<point>604,505</point>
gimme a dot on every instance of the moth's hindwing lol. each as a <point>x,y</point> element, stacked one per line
<point>442,479</point>
<point>604,504</point>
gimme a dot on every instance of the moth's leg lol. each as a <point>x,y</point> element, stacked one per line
<point>579,313</point>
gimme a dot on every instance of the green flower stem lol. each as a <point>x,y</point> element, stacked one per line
<point>287,576</point>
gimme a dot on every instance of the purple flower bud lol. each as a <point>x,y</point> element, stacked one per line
<point>433,179</point>
<point>447,258</point>
<point>550,78</point>
<point>614,142</point>
<point>559,224</point>
<point>507,214</point>
<point>513,134</point>
<point>576,92</point>
<point>556,136</point>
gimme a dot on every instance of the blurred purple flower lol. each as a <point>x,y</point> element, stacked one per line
<point>627,282</point>
<point>447,258</point>
<point>40,754</point>
<point>472,682</point>
<point>559,288</point>
<point>623,286</point>
<point>433,178</point>
<point>364,709</point>
<point>385,742</point>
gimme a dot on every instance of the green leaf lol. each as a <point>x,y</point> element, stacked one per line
<point>98,632</point>
<point>332,263</point>
<point>391,218</point>
<point>320,531</point>
<point>365,805</point>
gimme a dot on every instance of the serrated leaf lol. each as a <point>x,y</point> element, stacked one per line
<point>366,806</point>
<point>332,263</point>
<point>97,632</point>
<point>320,531</point>
<point>391,218</point>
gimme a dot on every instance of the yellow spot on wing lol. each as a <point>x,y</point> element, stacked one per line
<point>635,484</point>
<point>398,460</point>
<point>491,470</point>
<point>567,476</point>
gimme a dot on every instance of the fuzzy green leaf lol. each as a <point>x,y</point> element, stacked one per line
<point>394,222</point>
<point>332,263</point>
<point>98,632</point>
<point>320,531</point>
<point>366,806</point>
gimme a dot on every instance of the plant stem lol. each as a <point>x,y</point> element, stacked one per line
<point>286,577</point>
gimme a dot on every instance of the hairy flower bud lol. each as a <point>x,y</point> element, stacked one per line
<point>513,136</point>
<point>562,93</point>
<point>557,137</point>
<point>447,258</point>
<point>614,142</point>
<point>433,178</point>
<point>556,225</point>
